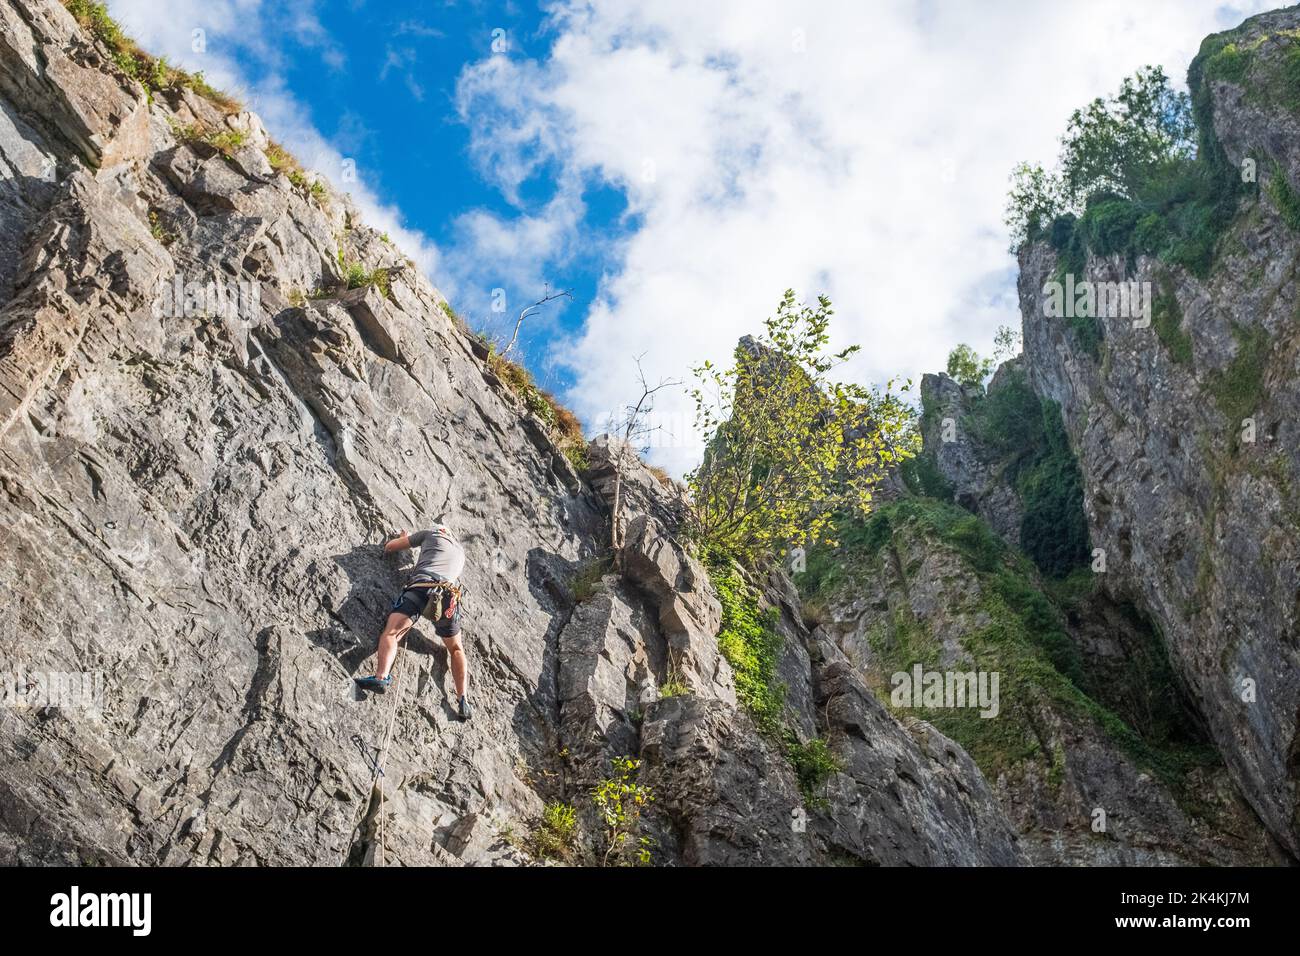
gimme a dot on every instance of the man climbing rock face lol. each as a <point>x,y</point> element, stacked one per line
<point>432,587</point>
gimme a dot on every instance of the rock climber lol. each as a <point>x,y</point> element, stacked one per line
<point>432,586</point>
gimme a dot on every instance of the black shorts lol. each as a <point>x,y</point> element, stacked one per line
<point>413,601</point>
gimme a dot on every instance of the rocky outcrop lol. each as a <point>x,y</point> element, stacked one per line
<point>204,436</point>
<point>609,673</point>
<point>689,615</point>
<point>1079,786</point>
<point>898,799</point>
<point>643,490</point>
<point>1187,435</point>
<point>975,473</point>
<point>726,794</point>
<point>899,796</point>
<point>928,793</point>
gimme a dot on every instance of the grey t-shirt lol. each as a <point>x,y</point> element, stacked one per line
<point>441,556</point>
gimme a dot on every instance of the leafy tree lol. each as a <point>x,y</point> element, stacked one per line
<point>1006,344</point>
<point>1139,145</point>
<point>1036,198</point>
<point>787,448</point>
<point>1125,144</point>
<point>965,365</point>
<point>620,800</point>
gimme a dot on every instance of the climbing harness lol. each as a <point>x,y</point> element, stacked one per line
<point>443,588</point>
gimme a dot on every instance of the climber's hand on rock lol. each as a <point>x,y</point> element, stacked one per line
<point>396,542</point>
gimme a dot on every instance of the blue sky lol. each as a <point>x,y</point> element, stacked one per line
<point>679,164</point>
<point>383,90</point>
<point>376,85</point>
<point>379,82</point>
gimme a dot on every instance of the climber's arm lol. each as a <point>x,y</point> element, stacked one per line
<point>399,542</point>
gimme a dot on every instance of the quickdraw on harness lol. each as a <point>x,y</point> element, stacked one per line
<point>443,589</point>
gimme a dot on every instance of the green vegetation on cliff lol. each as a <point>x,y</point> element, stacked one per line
<point>153,73</point>
<point>1015,628</point>
<point>1286,199</point>
<point>748,639</point>
<point>1269,82</point>
<point>1239,388</point>
<point>1139,174</point>
<point>1167,319</point>
<point>1029,431</point>
<point>751,643</point>
<point>1144,173</point>
<point>920,473</point>
<point>1027,435</point>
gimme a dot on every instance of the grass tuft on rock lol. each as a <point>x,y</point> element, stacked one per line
<point>564,427</point>
<point>587,580</point>
<point>153,73</point>
<point>1284,197</point>
<point>1238,390</point>
<point>1167,320</point>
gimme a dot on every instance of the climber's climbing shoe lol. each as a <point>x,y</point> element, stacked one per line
<point>377,684</point>
<point>466,711</point>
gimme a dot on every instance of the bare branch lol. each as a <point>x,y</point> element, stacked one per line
<point>631,426</point>
<point>547,296</point>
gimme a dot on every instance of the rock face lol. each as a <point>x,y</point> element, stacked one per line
<point>1189,444</point>
<point>930,794</point>
<point>975,472</point>
<point>219,391</point>
<point>644,491</point>
<point>1078,789</point>
<point>204,436</point>
<point>900,796</point>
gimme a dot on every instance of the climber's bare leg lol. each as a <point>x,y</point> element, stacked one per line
<point>456,654</point>
<point>397,626</point>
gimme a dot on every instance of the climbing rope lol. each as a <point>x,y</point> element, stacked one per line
<point>382,756</point>
<point>441,588</point>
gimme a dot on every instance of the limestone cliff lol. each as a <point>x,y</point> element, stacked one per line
<point>218,391</point>
<point>1186,430</point>
<point>1145,464</point>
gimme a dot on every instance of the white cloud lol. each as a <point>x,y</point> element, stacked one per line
<point>861,150</point>
<point>496,258</point>
<point>403,61</point>
<point>244,31</point>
